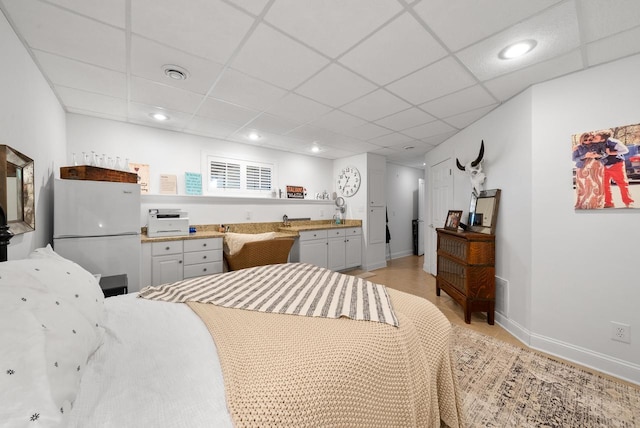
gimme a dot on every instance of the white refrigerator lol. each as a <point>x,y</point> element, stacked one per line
<point>97,225</point>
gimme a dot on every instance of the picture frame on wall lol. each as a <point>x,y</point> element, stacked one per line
<point>453,220</point>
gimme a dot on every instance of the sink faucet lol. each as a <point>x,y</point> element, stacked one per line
<point>285,220</point>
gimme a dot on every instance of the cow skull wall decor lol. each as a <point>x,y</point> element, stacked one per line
<point>474,170</point>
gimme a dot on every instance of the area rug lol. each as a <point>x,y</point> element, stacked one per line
<point>359,273</point>
<point>506,386</point>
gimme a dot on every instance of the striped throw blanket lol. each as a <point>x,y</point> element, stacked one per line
<point>290,288</point>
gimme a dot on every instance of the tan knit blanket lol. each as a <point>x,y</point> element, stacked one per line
<point>291,371</point>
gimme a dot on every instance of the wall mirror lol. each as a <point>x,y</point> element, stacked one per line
<point>483,211</point>
<point>17,195</point>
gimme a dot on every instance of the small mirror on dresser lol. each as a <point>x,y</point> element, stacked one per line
<point>483,211</point>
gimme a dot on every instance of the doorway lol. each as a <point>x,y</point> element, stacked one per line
<point>440,201</point>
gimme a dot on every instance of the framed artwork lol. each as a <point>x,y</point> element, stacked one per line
<point>453,220</point>
<point>606,168</point>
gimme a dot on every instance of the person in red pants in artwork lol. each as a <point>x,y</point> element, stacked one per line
<point>614,169</point>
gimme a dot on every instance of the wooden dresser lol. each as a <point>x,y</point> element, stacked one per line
<point>466,270</point>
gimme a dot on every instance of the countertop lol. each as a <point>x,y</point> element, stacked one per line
<point>211,230</point>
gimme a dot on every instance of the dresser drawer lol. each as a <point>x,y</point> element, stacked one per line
<point>308,235</point>
<point>202,244</point>
<point>210,268</point>
<point>336,233</point>
<point>352,231</point>
<point>206,256</point>
<point>164,248</point>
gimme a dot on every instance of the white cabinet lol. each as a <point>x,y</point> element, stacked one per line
<point>377,223</point>
<point>166,262</point>
<point>335,249</point>
<point>377,188</point>
<point>171,261</point>
<point>313,247</point>
<point>202,257</point>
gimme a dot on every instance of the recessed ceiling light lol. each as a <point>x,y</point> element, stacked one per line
<point>159,116</point>
<point>315,149</point>
<point>517,49</point>
<point>175,72</point>
<point>409,147</point>
<point>254,136</point>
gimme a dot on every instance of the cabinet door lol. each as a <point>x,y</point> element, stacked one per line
<point>377,230</point>
<point>353,248</point>
<point>337,253</point>
<point>166,269</point>
<point>314,252</point>
<point>376,188</point>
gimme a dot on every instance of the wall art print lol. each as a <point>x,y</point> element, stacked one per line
<point>606,170</point>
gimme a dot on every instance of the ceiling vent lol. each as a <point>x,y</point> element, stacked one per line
<point>175,72</point>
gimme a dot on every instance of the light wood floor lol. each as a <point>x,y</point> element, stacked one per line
<point>406,274</point>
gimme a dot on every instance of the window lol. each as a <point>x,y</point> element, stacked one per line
<point>238,176</point>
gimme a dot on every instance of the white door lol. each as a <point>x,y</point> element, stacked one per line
<point>420,216</point>
<point>440,202</point>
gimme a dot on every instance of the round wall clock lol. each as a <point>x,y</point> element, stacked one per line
<point>349,181</point>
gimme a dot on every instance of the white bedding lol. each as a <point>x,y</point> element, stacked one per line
<point>157,367</point>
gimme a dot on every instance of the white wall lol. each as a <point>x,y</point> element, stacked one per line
<point>33,122</point>
<point>570,273</point>
<point>402,205</point>
<point>169,152</point>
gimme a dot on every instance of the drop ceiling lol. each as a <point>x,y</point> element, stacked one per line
<point>390,77</point>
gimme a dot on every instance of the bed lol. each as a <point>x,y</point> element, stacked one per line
<point>71,358</point>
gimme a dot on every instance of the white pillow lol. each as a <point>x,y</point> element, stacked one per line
<point>233,242</point>
<point>46,343</point>
<point>70,281</point>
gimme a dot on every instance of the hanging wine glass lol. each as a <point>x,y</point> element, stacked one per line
<point>125,167</point>
<point>85,158</point>
<point>93,160</point>
<point>74,162</point>
<point>117,165</point>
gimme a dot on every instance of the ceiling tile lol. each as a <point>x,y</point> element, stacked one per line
<point>238,88</point>
<point>406,119</point>
<point>603,18</point>
<point>273,57</point>
<point>465,119</point>
<point>272,124</point>
<point>57,31</point>
<point>407,46</point>
<point>154,94</point>
<point>62,71</point>
<point>209,127</point>
<point>338,121</point>
<point>91,102</point>
<point>475,20</point>
<point>367,131</point>
<point>331,26</point>
<point>208,28</point>
<point>111,12</point>
<point>148,59</point>
<point>428,130</point>
<point>434,81</point>
<point>505,87</point>
<point>296,107</point>
<point>391,140</point>
<point>310,134</point>
<point>614,47</point>
<point>434,140</point>
<point>252,6</point>
<point>458,102</point>
<point>335,86</point>
<point>226,112</point>
<point>555,30</point>
<point>375,105</point>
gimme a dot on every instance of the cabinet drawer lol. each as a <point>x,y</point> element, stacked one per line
<point>202,244</point>
<point>335,233</point>
<point>169,247</point>
<point>352,231</point>
<point>196,257</point>
<point>202,269</point>
<point>307,235</point>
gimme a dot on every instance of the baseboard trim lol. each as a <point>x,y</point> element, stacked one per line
<point>607,364</point>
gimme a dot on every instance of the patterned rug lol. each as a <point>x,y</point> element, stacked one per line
<point>506,386</point>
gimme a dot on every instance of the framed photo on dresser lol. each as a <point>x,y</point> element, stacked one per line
<point>453,220</point>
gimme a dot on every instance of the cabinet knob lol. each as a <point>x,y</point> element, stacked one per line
<point>167,248</point>
<point>204,245</point>
<point>204,270</point>
<point>180,262</point>
<point>204,257</point>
